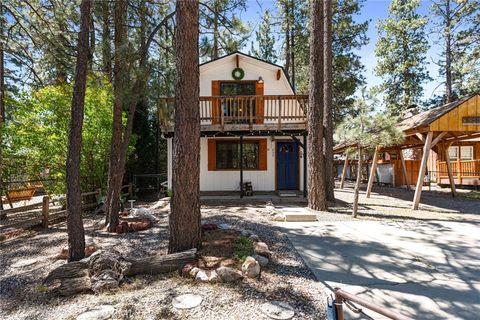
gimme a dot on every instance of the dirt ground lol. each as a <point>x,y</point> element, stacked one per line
<point>26,260</point>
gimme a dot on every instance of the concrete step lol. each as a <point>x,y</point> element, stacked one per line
<point>300,217</point>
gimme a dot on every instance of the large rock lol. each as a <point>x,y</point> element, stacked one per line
<point>193,273</point>
<point>254,238</point>
<point>229,274</point>
<point>201,275</point>
<point>251,267</point>
<point>261,248</point>
<point>139,214</point>
<point>99,313</point>
<point>187,301</point>
<point>262,261</point>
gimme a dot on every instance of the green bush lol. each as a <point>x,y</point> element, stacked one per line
<point>243,248</point>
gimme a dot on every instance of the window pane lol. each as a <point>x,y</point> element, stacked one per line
<point>228,155</point>
<point>466,153</point>
<point>453,153</point>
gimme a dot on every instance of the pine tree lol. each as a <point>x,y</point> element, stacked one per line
<point>265,40</point>
<point>317,199</point>
<point>401,50</point>
<point>363,130</point>
<point>76,236</point>
<point>184,222</point>
<point>221,29</point>
<point>328,100</point>
<point>349,36</point>
<point>454,25</point>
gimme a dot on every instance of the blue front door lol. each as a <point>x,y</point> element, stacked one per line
<point>287,166</point>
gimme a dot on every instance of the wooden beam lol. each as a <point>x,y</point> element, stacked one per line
<point>421,172</point>
<point>420,136</point>
<point>344,171</point>
<point>372,172</point>
<point>404,169</point>
<point>449,170</point>
<point>438,138</point>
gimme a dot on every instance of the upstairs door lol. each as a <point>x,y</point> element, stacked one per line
<point>239,107</point>
<point>287,166</point>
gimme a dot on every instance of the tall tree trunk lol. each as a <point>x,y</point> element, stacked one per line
<point>115,174</point>
<point>358,182</point>
<point>328,101</point>
<point>448,53</point>
<point>316,163</point>
<point>215,30</point>
<point>185,228</point>
<point>292,46</point>
<point>76,236</point>
<point>2,100</point>
<point>106,42</point>
<point>92,43</point>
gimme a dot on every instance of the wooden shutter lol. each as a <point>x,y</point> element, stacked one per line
<point>262,154</point>
<point>212,155</point>
<point>259,90</point>
<point>215,102</point>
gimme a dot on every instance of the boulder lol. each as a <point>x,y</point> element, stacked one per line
<point>187,301</point>
<point>213,276</point>
<point>261,248</point>
<point>201,276</point>
<point>251,268</point>
<point>229,274</point>
<point>262,261</point>
<point>142,214</point>
<point>193,272</point>
<point>185,272</point>
<point>100,313</point>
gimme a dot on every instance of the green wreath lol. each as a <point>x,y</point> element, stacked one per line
<point>238,74</point>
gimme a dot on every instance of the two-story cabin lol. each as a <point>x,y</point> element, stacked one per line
<point>253,127</point>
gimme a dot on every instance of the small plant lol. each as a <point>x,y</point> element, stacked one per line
<point>243,248</point>
<point>42,288</point>
<point>169,193</point>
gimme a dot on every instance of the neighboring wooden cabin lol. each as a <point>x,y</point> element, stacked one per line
<point>450,132</point>
<point>253,127</point>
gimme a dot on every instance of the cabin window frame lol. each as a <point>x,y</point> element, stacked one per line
<point>234,164</point>
<point>459,153</point>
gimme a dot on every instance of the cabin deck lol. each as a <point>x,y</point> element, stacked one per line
<point>259,113</point>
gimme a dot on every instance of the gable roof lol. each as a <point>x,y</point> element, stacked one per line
<point>253,58</point>
<point>425,118</point>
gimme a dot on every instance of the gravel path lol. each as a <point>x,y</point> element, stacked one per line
<point>26,260</point>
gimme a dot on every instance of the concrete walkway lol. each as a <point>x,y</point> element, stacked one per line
<point>422,269</point>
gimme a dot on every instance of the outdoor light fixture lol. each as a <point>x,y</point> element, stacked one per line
<point>260,80</point>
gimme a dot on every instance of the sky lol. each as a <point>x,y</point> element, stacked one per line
<point>373,11</point>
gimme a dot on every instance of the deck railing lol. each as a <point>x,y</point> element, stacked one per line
<point>464,168</point>
<point>261,109</point>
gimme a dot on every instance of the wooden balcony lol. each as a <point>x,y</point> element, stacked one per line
<point>243,113</point>
<point>463,171</point>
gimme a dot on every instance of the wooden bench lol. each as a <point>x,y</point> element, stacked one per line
<point>21,194</point>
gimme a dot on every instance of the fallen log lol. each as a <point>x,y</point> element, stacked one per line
<point>105,270</point>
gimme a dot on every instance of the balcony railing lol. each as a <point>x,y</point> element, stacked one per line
<point>460,169</point>
<point>243,110</point>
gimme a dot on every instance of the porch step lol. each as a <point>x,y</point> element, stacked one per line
<point>300,217</point>
<point>287,194</point>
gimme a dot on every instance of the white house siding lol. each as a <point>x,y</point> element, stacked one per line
<point>222,70</point>
<point>218,180</point>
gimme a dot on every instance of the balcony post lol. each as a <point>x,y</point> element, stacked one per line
<point>448,164</point>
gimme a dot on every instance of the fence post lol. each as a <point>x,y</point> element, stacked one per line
<point>339,305</point>
<point>45,211</point>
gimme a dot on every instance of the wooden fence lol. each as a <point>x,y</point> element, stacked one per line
<point>48,210</point>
